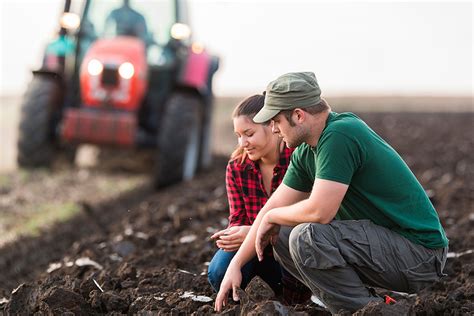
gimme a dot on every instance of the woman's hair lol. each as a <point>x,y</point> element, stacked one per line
<point>248,107</point>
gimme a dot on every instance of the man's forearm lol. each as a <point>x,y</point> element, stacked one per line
<point>301,212</point>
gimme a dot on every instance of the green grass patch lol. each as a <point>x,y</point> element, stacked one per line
<point>5,181</point>
<point>44,216</point>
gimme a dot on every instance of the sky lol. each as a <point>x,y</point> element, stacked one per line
<point>353,47</point>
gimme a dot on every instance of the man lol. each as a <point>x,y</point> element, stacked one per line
<point>349,212</point>
<point>127,22</point>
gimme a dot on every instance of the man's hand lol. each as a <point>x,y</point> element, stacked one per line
<point>231,281</point>
<point>266,233</point>
<point>231,238</point>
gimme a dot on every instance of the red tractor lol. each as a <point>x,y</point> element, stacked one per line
<point>123,74</point>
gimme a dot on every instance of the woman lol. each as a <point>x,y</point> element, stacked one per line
<point>255,170</point>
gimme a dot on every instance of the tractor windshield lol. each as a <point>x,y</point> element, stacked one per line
<point>149,20</point>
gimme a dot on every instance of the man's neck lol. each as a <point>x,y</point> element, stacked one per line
<point>316,127</point>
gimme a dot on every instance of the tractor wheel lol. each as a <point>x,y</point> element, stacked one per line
<point>178,140</point>
<point>205,153</point>
<point>36,135</point>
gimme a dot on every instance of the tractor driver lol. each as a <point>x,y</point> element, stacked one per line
<point>128,22</point>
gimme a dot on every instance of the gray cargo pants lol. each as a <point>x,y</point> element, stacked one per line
<point>338,260</point>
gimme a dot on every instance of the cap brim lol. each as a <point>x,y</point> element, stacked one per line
<point>265,115</point>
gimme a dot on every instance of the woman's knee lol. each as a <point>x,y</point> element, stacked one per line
<point>216,271</point>
<point>218,267</point>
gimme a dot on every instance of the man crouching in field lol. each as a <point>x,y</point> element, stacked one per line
<point>349,213</point>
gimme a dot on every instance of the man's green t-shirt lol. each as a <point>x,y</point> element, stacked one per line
<point>381,186</point>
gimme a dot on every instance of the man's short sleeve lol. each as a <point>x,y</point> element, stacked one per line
<point>297,176</point>
<point>339,157</point>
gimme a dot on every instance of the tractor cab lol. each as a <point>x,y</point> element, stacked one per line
<point>151,21</point>
<point>123,73</point>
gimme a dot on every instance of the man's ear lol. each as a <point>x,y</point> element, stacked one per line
<point>300,115</point>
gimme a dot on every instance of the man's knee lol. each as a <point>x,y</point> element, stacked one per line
<point>296,237</point>
<point>310,240</point>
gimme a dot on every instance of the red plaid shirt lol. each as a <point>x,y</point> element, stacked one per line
<point>245,190</point>
<point>247,196</point>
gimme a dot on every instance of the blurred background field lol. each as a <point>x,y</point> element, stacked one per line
<point>224,141</point>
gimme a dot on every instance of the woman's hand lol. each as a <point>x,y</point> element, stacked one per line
<point>231,281</point>
<point>231,238</point>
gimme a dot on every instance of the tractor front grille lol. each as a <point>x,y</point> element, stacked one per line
<point>110,77</point>
<point>99,127</point>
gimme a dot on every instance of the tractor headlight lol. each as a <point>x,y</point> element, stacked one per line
<point>180,31</point>
<point>70,21</point>
<point>126,70</point>
<point>95,67</point>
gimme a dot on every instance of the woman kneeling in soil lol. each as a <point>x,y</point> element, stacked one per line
<point>255,170</point>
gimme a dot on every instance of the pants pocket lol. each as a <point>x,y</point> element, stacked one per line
<point>317,254</point>
<point>422,275</point>
<point>360,244</point>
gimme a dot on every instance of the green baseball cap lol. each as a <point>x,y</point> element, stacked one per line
<point>287,92</point>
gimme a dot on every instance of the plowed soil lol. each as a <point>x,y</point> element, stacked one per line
<point>147,251</point>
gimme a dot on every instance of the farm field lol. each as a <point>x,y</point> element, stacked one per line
<point>123,248</point>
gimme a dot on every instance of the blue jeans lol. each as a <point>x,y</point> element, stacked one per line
<point>269,270</point>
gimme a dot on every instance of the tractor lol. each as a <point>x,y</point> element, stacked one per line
<point>122,74</point>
